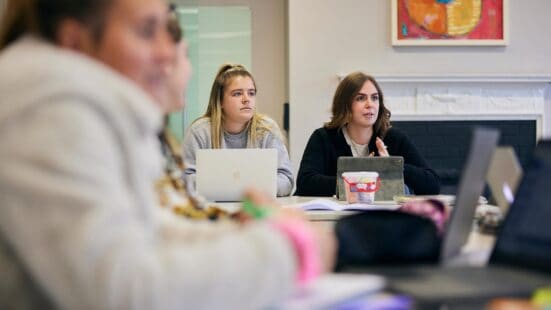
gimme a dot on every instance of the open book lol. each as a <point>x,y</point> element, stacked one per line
<point>333,205</point>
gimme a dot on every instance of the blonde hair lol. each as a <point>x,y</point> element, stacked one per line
<point>257,126</point>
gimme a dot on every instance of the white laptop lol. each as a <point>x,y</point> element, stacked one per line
<point>224,174</point>
<point>503,176</point>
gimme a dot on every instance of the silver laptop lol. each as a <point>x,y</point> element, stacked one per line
<point>224,174</point>
<point>390,169</point>
<point>503,177</point>
<point>473,178</point>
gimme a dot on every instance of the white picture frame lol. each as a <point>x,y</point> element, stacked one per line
<point>399,28</point>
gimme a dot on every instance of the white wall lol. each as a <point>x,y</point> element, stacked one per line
<point>268,52</point>
<point>327,37</point>
<point>547,112</point>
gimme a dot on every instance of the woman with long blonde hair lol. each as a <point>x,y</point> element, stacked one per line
<point>231,121</point>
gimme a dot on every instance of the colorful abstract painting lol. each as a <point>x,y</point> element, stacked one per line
<point>449,22</point>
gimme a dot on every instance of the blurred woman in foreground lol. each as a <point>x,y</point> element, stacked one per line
<point>84,89</point>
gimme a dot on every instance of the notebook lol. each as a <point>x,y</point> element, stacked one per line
<point>503,176</point>
<point>390,169</point>
<point>519,262</point>
<point>224,174</point>
<point>323,204</point>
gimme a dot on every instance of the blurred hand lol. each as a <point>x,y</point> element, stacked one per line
<point>323,233</point>
<point>261,200</point>
<point>381,147</point>
<point>327,243</point>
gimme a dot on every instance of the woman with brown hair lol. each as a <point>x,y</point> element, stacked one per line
<point>360,126</point>
<point>84,91</point>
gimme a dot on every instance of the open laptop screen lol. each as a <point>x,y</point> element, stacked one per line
<point>224,174</point>
<point>503,176</point>
<point>483,144</point>
<point>525,237</point>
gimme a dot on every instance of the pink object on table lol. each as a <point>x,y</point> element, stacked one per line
<point>432,209</point>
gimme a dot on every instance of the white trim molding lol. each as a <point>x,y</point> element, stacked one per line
<point>459,78</point>
<point>466,97</point>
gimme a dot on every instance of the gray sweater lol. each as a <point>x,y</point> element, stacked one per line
<point>198,136</point>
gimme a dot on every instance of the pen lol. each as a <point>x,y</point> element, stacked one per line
<point>255,211</point>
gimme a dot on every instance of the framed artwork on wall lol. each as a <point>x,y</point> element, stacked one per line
<point>449,22</point>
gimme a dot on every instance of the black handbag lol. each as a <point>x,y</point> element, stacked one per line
<point>382,237</point>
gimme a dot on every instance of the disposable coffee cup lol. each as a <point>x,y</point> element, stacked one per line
<point>361,186</point>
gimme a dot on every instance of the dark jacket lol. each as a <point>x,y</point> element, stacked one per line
<point>318,167</point>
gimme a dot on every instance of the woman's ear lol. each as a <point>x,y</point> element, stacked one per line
<point>73,35</point>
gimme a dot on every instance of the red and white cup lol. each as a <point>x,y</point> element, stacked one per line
<point>361,186</point>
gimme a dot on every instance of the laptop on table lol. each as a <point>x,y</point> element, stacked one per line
<point>520,261</point>
<point>224,174</point>
<point>471,184</point>
<point>503,177</point>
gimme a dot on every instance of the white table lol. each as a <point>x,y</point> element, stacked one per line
<point>475,252</point>
<point>315,216</point>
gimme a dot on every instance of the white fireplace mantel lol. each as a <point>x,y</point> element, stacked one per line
<point>459,78</point>
<point>466,96</point>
